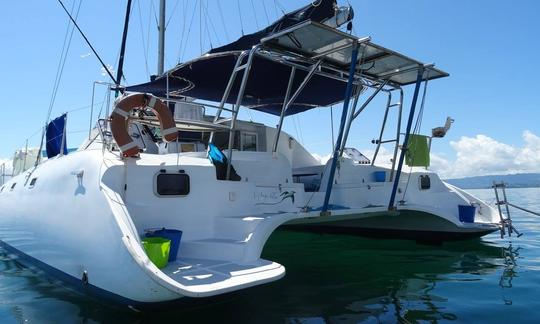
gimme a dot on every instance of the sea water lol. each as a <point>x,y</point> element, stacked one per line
<point>334,279</point>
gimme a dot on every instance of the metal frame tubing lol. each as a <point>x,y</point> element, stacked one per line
<point>287,102</point>
<point>406,140</point>
<point>228,90</point>
<point>354,113</point>
<point>237,106</point>
<point>398,129</point>
<point>282,115</point>
<point>383,126</point>
<point>348,93</point>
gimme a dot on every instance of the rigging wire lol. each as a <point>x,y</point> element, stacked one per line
<point>332,124</point>
<point>205,12</point>
<point>223,20</point>
<point>208,19</point>
<point>200,26</point>
<point>183,29</point>
<point>172,14</point>
<point>255,14</point>
<point>63,58</point>
<point>240,14</point>
<point>266,12</point>
<point>88,42</point>
<point>277,4</point>
<point>416,129</point>
<point>189,31</point>
<point>145,53</point>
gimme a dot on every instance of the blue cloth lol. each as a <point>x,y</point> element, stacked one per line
<point>54,136</point>
<point>215,154</point>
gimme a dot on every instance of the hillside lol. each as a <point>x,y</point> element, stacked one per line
<point>521,180</point>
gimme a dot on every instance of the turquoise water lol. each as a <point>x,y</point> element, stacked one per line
<point>334,279</point>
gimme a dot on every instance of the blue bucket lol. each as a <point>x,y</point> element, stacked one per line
<point>380,176</point>
<point>174,235</point>
<point>466,213</point>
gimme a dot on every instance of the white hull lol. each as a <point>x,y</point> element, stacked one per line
<point>361,207</point>
<point>78,218</point>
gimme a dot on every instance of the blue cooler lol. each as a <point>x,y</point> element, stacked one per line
<point>466,213</point>
<point>380,176</point>
<point>174,235</point>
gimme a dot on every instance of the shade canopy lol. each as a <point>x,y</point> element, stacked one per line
<point>206,78</point>
<point>300,39</point>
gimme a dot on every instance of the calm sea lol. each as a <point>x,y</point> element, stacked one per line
<point>335,279</point>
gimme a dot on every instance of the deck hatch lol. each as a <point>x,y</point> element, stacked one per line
<point>172,184</point>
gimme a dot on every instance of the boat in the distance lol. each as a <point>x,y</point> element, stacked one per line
<point>226,184</point>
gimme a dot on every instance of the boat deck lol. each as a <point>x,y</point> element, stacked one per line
<point>215,276</point>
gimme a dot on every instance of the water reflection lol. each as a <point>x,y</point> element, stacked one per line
<point>330,279</point>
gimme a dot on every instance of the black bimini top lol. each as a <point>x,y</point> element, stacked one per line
<point>279,48</point>
<point>206,78</point>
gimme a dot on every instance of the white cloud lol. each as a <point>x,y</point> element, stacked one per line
<point>322,158</point>
<point>85,55</point>
<point>483,155</point>
<point>104,72</point>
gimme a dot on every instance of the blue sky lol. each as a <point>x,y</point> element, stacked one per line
<point>490,49</point>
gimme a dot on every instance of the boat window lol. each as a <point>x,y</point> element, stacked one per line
<point>13,186</point>
<point>172,184</point>
<point>33,182</point>
<point>248,141</point>
<point>425,182</point>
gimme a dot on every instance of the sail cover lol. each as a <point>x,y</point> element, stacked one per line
<point>55,135</point>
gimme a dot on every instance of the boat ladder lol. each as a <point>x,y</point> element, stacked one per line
<point>506,220</point>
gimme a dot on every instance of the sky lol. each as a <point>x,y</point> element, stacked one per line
<point>490,49</point>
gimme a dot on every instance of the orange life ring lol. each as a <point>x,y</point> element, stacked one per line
<point>119,120</point>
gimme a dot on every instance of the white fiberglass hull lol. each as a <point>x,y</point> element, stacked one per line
<point>359,205</point>
<point>75,223</point>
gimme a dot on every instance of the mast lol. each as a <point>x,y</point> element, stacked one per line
<point>120,72</point>
<point>161,40</point>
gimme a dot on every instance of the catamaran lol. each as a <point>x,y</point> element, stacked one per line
<point>157,160</point>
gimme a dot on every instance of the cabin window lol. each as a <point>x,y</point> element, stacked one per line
<point>172,184</point>
<point>13,186</point>
<point>33,182</point>
<point>248,141</point>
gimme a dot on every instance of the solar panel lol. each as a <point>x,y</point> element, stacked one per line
<point>318,41</point>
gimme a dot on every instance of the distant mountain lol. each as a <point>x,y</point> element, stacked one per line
<point>521,180</point>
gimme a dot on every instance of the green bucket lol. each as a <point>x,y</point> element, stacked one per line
<point>157,249</point>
